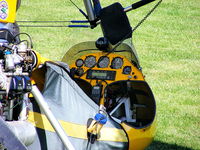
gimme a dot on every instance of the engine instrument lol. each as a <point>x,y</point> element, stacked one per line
<point>79,62</point>
<point>90,61</point>
<point>103,62</point>
<point>117,63</point>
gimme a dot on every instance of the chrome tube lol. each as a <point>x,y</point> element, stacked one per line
<point>90,10</point>
<point>24,108</point>
<point>10,111</point>
<point>52,119</point>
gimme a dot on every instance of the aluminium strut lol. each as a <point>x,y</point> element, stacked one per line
<point>52,119</point>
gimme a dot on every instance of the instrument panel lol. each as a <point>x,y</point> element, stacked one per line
<point>104,66</point>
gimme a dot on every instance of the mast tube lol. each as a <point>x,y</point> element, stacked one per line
<point>90,10</point>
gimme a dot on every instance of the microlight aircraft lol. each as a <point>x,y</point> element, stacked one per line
<point>95,98</point>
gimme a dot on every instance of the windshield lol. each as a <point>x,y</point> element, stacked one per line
<point>125,49</point>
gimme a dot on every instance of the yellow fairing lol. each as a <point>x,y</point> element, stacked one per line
<point>8,11</point>
<point>40,60</point>
<point>135,74</point>
<point>139,139</point>
<point>38,74</point>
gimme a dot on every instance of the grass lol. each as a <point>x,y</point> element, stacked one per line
<point>168,44</point>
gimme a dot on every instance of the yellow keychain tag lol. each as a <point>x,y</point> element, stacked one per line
<point>8,11</point>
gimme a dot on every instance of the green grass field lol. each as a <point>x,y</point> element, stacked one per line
<point>168,44</point>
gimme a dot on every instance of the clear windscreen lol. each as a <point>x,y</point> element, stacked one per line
<point>125,49</point>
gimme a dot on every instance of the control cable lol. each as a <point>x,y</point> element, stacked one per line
<point>136,27</point>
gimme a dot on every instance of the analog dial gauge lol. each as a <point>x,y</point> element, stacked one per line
<point>79,62</point>
<point>117,63</point>
<point>90,61</point>
<point>103,62</point>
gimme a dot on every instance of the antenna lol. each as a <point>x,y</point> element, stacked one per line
<point>81,11</point>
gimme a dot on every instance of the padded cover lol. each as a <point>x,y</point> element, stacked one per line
<point>115,23</point>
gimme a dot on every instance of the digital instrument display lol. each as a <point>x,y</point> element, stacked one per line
<point>101,74</point>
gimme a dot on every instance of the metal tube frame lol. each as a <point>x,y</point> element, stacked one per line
<point>52,119</point>
<point>90,10</point>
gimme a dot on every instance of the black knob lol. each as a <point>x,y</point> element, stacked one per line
<point>103,44</point>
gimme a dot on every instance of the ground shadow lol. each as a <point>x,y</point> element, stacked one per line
<point>158,145</point>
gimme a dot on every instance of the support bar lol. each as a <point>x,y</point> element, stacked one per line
<point>56,21</point>
<point>54,26</point>
<point>54,122</point>
<point>137,5</point>
<point>79,26</point>
<point>90,10</point>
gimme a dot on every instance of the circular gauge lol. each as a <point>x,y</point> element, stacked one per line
<point>117,63</point>
<point>127,70</point>
<point>90,61</point>
<point>79,62</point>
<point>103,62</point>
